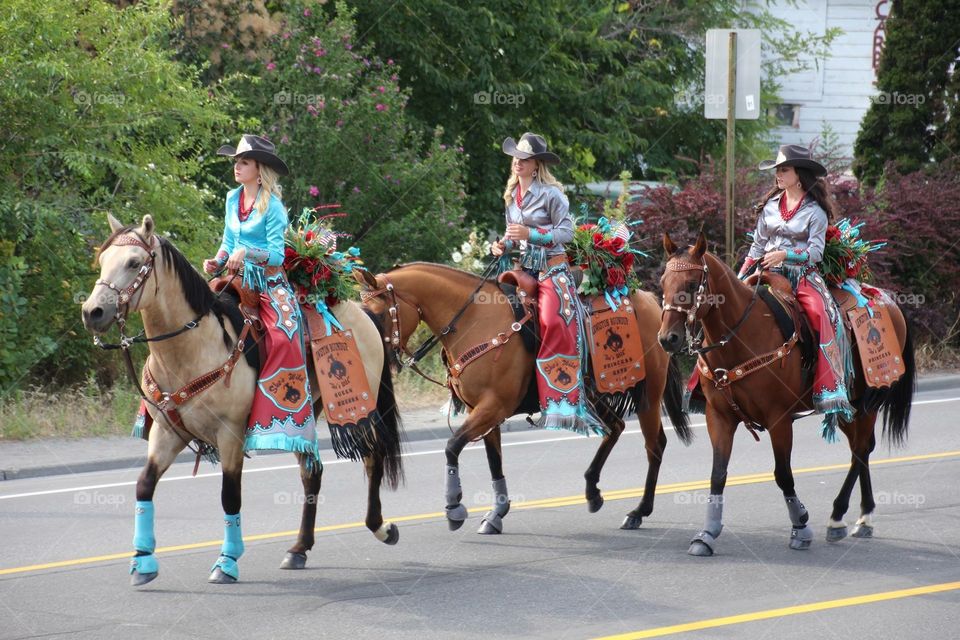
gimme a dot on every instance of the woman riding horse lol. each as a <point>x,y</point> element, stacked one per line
<point>539,224</point>
<point>790,238</point>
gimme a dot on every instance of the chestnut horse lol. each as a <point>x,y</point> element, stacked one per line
<point>495,386</point>
<point>699,287</point>
<point>194,332</point>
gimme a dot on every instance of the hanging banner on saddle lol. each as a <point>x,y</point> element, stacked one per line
<point>877,344</point>
<point>616,350</point>
<point>348,405</point>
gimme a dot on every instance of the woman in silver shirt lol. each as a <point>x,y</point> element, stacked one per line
<point>790,238</point>
<point>539,224</point>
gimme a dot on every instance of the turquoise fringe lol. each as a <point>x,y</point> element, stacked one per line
<point>534,258</point>
<point>283,442</point>
<point>254,277</point>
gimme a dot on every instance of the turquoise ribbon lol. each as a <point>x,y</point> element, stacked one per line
<point>862,302</point>
<point>328,317</point>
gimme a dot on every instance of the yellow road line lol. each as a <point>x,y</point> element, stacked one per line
<point>546,503</point>
<point>713,623</point>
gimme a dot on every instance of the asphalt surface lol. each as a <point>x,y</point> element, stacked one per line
<point>556,572</point>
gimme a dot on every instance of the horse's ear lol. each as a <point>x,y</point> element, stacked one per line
<point>701,247</point>
<point>147,227</point>
<point>365,278</point>
<point>115,224</point>
<point>668,244</point>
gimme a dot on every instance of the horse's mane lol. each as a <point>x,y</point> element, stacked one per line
<point>445,267</point>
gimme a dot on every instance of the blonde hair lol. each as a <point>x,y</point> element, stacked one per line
<point>543,176</point>
<point>269,185</point>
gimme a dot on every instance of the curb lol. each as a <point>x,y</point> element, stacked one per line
<point>136,462</point>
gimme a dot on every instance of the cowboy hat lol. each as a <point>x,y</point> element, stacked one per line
<point>530,146</point>
<point>256,148</point>
<point>795,155</point>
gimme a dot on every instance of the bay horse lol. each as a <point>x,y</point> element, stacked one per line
<point>501,383</point>
<point>194,332</point>
<point>700,287</point>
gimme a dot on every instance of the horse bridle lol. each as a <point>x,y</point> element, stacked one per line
<point>125,295</point>
<point>695,344</point>
<point>394,337</point>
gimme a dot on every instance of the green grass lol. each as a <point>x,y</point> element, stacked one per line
<point>71,413</point>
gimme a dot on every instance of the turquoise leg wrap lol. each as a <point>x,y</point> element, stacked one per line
<point>232,547</point>
<point>143,538</point>
<point>144,542</point>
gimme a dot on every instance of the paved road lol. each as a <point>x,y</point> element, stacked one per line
<point>557,572</point>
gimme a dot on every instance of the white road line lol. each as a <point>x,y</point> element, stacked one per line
<point>473,447</point>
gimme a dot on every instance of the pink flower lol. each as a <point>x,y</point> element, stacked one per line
<point>314,191</point>
<point>356,189</point>
<point>339,123</point>
<point>271,66</point>
<point>389,60</point>
<point>312,110</point>
<point>382,89</point>
<point>306,13</point>
<point>381,107</point>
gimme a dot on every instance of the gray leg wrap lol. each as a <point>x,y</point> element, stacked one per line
<point>501,505</point>
<point>711,527</point>
<point>802,534</point>
<point>455,509</point>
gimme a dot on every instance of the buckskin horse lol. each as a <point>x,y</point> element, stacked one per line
<point>192,333</point>
<point>758,378</point>
<point>465,311</point>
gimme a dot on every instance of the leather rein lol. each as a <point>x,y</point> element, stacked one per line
<point>723,378</point>
<point>164,402</point>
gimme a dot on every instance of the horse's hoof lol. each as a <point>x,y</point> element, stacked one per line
<point>294,561</point>
<point>699,548</point>
<point>836,534</point>
<point>217,576</point>
<point>632,522</point>
<point>393,535</point>
<point>800,538</point>
<point>138,579</point>
<point>456,516</point>
<point>862,530</point>
<point>594,504</point>
<point>455,524</point>
<point>487,529</point>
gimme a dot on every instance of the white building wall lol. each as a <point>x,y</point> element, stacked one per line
<point>837,90</point>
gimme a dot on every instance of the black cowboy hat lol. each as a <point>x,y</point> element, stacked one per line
<point>530,146</point>
<point>256,148</point>
<point>795,155</point>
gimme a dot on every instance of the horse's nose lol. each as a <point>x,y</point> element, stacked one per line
<point>92,317</point>
<point>670,342</point>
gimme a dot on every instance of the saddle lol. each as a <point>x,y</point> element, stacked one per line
<point>248,302</point>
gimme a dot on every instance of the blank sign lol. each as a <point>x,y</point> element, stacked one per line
<point>748,74</point>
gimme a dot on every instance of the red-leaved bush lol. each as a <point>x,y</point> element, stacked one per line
<point>918,214</point>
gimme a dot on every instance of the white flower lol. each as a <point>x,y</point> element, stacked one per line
<point>477,263</point>
<point>457,256</point>
<point>466,247</point>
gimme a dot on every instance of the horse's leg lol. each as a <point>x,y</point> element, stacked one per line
<point>492,522</point>
<point>225,569</point>
<point>615,425</point>
<point>781,439</point>
<point>310,475</point>
<point>721,429</point>
<point>161,452</point>
<point>866,442</point>
<point>485,416</point>
<point>655,442</point>
<point>385,532</point>
<point>837,528</point>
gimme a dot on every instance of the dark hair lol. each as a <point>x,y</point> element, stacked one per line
<point>815,187</point>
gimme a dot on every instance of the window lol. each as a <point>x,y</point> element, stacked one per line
<point>785,115</point>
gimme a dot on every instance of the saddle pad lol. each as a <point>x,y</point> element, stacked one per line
<point>616,351</point>
<point>878,346</point>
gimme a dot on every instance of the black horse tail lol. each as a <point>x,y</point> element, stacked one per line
<point>898,400</point>
<point>392,430</point>
<point>673,403</point>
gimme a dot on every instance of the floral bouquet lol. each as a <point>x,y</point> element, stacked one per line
<point>473,253</point>
<point>320,275</point>
<point>845,253</point>
<point>602,251</point>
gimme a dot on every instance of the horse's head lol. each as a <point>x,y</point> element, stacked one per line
<point>399,315</point>
<point>127,259</point>
<point>683,283</point>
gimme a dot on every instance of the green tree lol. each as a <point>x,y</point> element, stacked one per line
<point>612,85</point>
<point>97,118</point>
<point>337,115</point>
<point>913,120</point>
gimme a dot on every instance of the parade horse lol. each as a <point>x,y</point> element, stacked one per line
<point>191,333</point>
<point>751,373</point>
<point>466,310</point>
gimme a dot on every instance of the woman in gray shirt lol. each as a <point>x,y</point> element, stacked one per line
<point>790,238</point>
<point>539,224</point>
